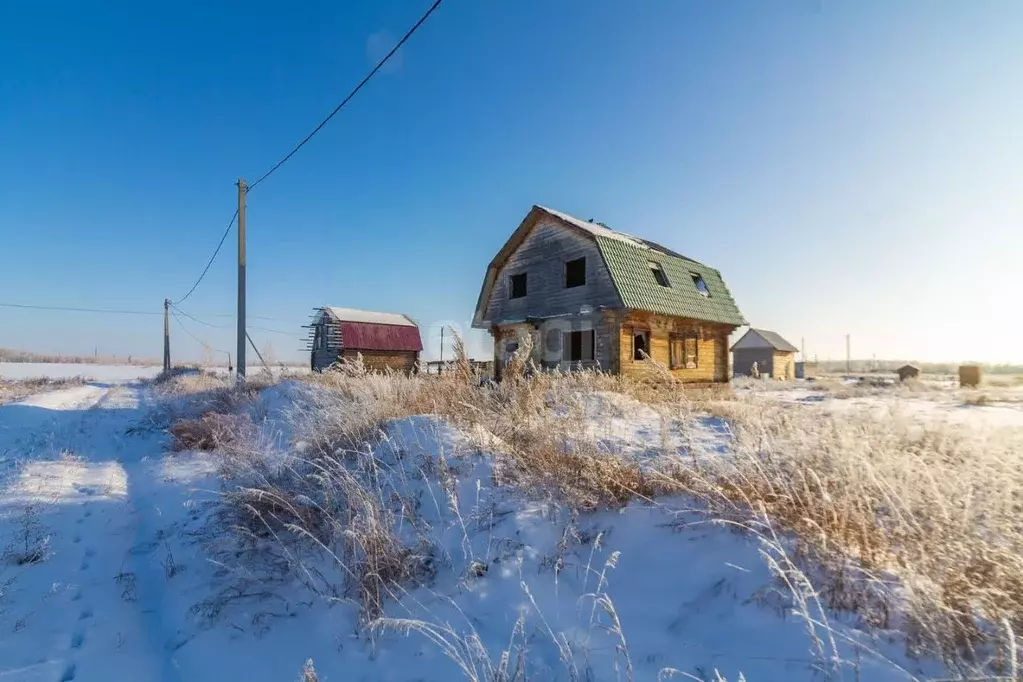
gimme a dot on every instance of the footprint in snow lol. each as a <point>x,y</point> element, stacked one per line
<point>86,613</point>
<point>77,640</point>
<point>68,674</point>
<point>89,553</point>
<point>77,539</point>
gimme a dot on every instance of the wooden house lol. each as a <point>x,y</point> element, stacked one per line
<point>591,297</point>
<point>383,340</point>
<point>908,372</point>
<point>774,356</point>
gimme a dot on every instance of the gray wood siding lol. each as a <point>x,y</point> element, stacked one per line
<point>743,359</point>
<point>542,256</point>
<point>322,358</point>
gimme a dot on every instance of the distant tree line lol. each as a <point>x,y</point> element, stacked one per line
<point>10,355</point>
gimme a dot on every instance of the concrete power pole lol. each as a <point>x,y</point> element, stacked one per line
<point>848,355</point>
<point>166,335</point>
<point>440,367</point>
<point>240,376</point>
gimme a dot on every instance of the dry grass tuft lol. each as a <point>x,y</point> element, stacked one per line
<point>910,525</point>
<point>210,431</point>
<point>18,389</point>
<point>936,507</point>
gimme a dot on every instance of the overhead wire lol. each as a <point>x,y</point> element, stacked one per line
<point>197,320</point>
<point>350,95</point>
<point>234,217</point>
<point>221,326</point>
<point>201,342</point>
<point>108,311</point>
<point>212,258</point>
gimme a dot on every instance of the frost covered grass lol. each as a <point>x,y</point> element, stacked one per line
<point>911,525</point>
<point>16,389</point>
<point>908,527</point>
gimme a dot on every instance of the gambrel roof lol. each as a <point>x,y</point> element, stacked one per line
<point>629,260</point>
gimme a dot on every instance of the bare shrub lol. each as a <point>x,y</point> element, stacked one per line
<point>17,389</point>
<point>208,432</point>
<point>309,672</point>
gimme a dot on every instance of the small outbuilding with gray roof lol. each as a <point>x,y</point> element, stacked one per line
<point>773,356</point>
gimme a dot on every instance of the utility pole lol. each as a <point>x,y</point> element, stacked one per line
<point>848,356</point>
<point>440,367</point>
<point>166,335</point>
<point>240,376</point>
<point>802,343</point>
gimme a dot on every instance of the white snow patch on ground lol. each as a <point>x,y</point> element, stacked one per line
<point>942,407</point>
<point>58,370</point>
<point>125,588</point>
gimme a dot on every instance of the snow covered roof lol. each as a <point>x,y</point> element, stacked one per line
<point>369,316</point>
<point>596,229</point>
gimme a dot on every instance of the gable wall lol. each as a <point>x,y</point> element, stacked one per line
<point>542,255</point>
<point>743,359</point>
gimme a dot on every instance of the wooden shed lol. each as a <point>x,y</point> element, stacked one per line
<point>774,356</point>
<point>908,372</point>
<point>383,340</point>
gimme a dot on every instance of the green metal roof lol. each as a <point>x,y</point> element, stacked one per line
<point>628,261</point>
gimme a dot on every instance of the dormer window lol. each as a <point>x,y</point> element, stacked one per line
<point>659,275</point>
<point>700,285</point>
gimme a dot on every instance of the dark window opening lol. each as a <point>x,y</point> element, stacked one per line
<point>575,273</point>
<point>641,345</point>
<point>579,346</point>
<point>518,285</point>
<point>659,275</point>
<point>701,286</point>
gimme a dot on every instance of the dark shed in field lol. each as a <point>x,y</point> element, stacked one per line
<point>774,356</point>
<point>383,340</point>
<point>908,372</point>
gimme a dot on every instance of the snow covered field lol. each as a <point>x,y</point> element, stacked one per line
<point>54,370</point>
<point>117,562</point>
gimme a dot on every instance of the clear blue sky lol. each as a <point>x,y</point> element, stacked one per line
<point>850,167</point>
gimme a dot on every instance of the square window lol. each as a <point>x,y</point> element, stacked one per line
<point>579,346</point>
<point>659,275</point>
<point>701,286</point>
<point>518,285</point>
<point>575,273</point>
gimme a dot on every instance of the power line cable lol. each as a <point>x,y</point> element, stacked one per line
<point>202,343</point>
<point>272,331</point>
<point>351,94</point>
<point>107,311</point>
<point>212,258</point>
<point>196,319</point>
<point>221,326</point>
